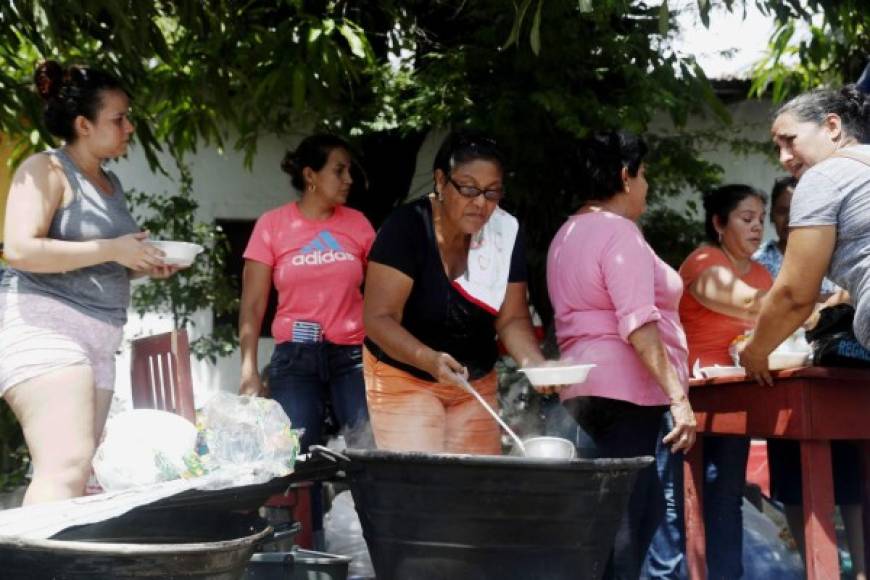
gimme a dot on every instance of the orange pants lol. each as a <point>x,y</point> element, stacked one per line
<point>411,414</point>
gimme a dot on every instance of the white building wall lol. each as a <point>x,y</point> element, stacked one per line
<point>750,120</point>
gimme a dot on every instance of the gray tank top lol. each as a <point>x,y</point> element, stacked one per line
<point>103,290</point>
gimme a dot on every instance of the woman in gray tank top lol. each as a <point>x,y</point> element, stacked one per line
<point>72,248</point>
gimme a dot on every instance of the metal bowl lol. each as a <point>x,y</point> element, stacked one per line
<point>549,448</point>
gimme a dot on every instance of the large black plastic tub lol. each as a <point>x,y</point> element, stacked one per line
<point>443,517</point>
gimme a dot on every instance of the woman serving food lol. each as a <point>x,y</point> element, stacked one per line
<point>447,273</point>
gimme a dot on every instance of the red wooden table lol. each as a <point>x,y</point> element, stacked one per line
<point>811,405</point>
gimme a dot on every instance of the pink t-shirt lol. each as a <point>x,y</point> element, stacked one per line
<point>317,268</point>
<point>605,282</point>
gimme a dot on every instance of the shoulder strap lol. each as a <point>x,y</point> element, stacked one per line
<point>70,171</point>
<point>860,157</point>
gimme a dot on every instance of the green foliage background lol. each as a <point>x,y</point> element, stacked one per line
<point>202,286</point>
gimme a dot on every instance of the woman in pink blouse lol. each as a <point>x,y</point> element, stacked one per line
<point>615,305</point>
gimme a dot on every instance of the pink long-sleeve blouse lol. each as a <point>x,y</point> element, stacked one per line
<point>605,282</point>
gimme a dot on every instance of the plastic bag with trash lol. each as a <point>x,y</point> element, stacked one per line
<point>238,440</point>
<point>344,535</point>
<point>244,430</point>
<point>143,447</point>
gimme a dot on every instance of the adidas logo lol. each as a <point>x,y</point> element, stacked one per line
<point>323,249</point>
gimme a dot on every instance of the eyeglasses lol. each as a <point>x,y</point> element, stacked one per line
<point>471,192</point>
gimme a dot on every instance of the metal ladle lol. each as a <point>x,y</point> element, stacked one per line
<point>463,382</point>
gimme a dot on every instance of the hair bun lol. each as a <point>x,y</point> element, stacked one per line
<point>290,164</point>
<point>48,79</point>
<point>853,95</point>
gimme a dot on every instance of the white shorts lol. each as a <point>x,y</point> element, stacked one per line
<point>39,334</point>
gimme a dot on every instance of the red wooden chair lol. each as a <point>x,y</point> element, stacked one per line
<point>160,374</point>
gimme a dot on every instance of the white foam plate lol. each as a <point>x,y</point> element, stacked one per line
<point>557,375</point>
<point>784,359</point>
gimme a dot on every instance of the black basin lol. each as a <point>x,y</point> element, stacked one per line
<point>201,545</point>
<point>441,517</point>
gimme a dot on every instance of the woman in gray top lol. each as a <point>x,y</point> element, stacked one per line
<point>822,140</point>
<point>72,248</point>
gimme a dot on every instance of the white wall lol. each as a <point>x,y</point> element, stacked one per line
<point>750,120</point>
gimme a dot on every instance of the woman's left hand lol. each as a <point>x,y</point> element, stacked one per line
<point>756,364</point>
<point>682,436</point>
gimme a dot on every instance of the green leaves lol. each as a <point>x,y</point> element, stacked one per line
<point>355,39</point>
<point>197,69</point>
<point>535,35</point>
<point>821,42</point>
<point>521,10</point>
<point>14,458</point>
<point>664,18</point>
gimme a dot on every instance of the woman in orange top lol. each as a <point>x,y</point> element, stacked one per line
<point>724,287</point>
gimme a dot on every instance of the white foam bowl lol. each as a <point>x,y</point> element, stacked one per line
<point>557,375</point>
<point>722,371</point>
<point>784,359</point>
<point>177,253</point>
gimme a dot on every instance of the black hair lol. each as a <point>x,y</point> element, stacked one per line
<point>312,152</point>
<point>721,201</point>
<point>602,157</point>
<point>70,92</point>
<point>780,186</point>
<point>848,103</point>
<point>464,146</point>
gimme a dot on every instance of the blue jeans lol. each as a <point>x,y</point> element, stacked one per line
<point>667,551</point>
<point>302,377</point>
<point>613,428</point>
<point>724,481</point>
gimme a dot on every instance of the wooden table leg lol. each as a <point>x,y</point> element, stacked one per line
<point>696,550</point>
<point>818,503</point>
<point>864,451</point>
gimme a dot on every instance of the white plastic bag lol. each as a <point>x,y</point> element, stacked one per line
<point>344,535</point>
<point>142,447</point>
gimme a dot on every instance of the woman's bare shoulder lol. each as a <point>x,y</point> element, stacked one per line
<point>43,172</point>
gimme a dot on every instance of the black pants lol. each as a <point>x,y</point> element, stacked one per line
<point>616,429</point>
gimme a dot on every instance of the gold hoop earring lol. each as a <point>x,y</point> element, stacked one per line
<point>720,238</point>
<point>311,187</point>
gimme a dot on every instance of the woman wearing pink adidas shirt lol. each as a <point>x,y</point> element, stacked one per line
<point>314,252</point>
